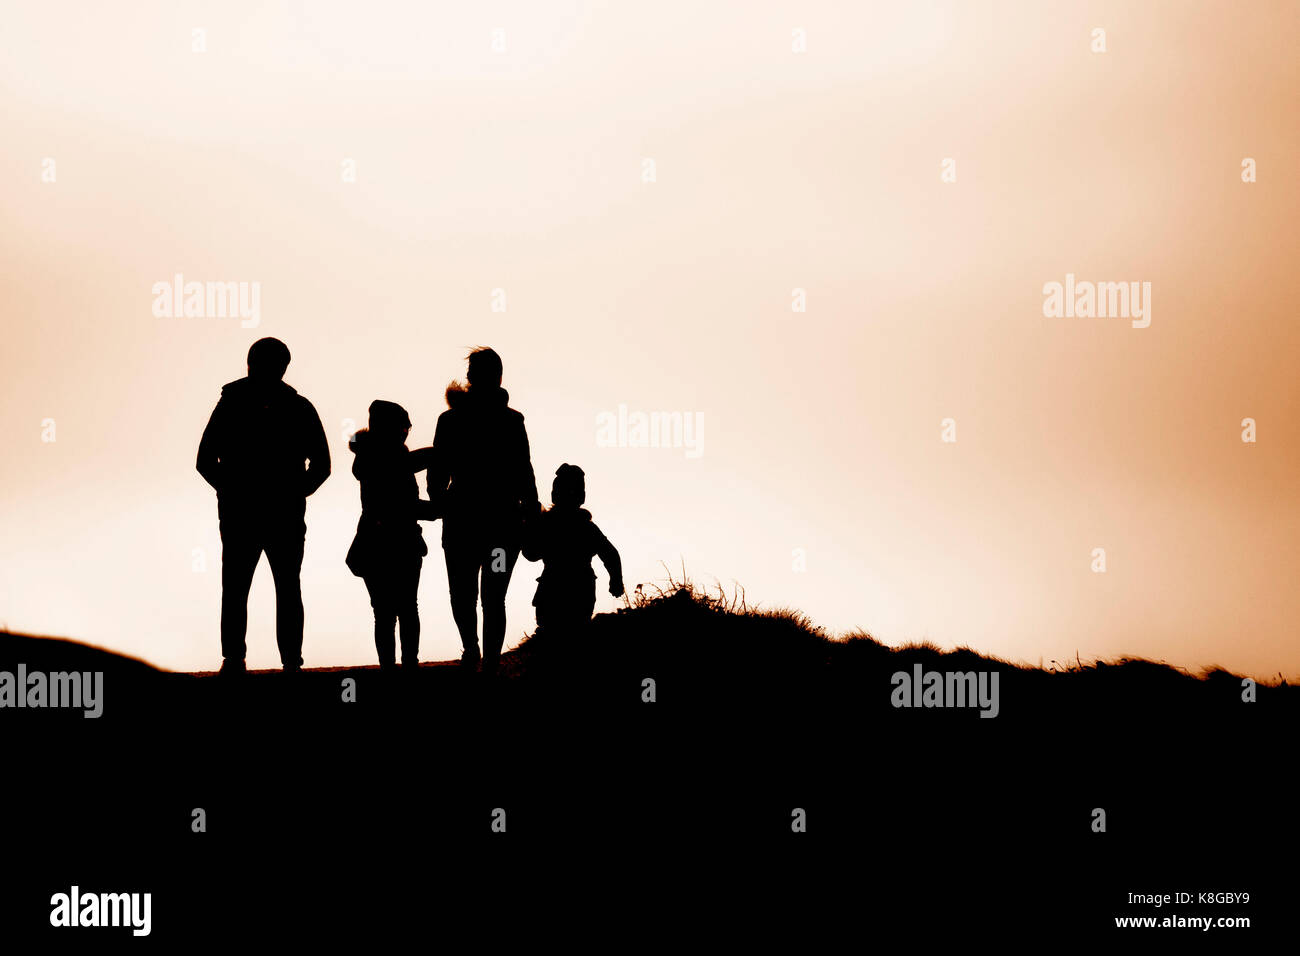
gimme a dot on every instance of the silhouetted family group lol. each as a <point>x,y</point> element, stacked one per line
<point>264,451</point>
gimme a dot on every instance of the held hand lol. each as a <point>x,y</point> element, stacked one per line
<point>616,588</point>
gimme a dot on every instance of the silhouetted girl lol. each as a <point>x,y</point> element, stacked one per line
<point>389,548</point>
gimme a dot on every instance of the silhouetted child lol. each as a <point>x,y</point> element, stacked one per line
<point>565,539</point>
<point>389,548</point>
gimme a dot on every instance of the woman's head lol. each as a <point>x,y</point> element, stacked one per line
<point>484,368</point>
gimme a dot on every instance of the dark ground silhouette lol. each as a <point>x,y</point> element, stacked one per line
<point>937,818</point>
<point>712,658</point>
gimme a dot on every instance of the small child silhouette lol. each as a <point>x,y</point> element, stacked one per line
<point>565,539</point>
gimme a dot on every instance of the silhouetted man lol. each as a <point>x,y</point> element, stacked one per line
<point>482,483</point>
<point>255,453</point>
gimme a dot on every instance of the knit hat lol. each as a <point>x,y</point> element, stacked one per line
<point>569,486</point>
<point>388,416</point>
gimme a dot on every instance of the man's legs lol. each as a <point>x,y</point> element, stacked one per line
<point>240,552</point>
<point>284,552</point>
<point>498,564</point>
<point>462,583</point>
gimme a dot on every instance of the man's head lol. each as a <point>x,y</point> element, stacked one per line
<point>267,359</point>
<point>569,489</point>
<point>484,368</point>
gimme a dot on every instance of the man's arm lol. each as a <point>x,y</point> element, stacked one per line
<point>209,459</point>
<point>318,452</point>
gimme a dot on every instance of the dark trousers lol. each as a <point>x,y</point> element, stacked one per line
<point>393,587</point>
<point>243,539</point>
<point>563,643</point>
<point>467,561</point>
<point>565,613</point>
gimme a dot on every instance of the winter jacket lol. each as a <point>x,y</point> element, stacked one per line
<point>565,540</point>
<point>391,507</point>
<point>482,479</point>
<point>264,449</point>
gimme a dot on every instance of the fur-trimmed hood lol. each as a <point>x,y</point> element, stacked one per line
<point>460,395</point>
<point>375,454</point>
<point>366,442</point>
<point>361,442</point>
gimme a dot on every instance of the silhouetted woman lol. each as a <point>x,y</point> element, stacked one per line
<point>482,484</point>
<point>389,548</point>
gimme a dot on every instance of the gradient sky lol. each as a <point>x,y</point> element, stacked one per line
<point>522,170</point>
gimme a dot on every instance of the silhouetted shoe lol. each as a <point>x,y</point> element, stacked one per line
<point>232,668</point>
<point>469,658</point>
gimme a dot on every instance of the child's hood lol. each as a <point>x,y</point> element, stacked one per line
<point>374,456</point>
<point>367,442</point>
<point>570,515</point>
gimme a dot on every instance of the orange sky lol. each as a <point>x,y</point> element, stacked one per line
<point>522,170</point>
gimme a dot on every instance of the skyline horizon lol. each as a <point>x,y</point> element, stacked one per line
<point>832,265</point>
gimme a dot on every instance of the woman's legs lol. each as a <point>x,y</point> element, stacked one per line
<point>498,564</point>
<point>379,585</point>
<point>408,612</point>
<point>490,554</point>
<point>462,585</point>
